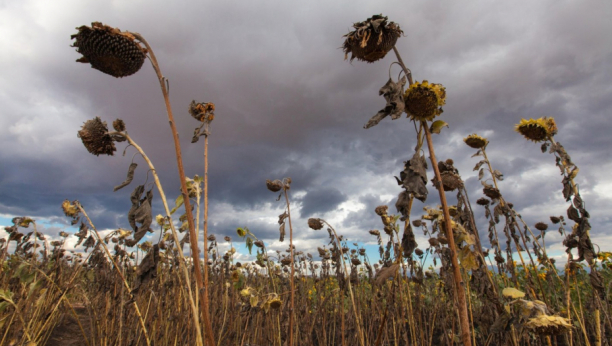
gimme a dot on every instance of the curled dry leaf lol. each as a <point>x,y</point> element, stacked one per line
<point>130,177</point>
<point>147,270</point>
<point>409,243</point>
<point>393,93</point>
<point>385,273</point>
<point>414,177</point>
<point>140,212</point>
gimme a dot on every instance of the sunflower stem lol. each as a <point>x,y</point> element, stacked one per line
<point>174,234</point>
<point>195,251</point>
<point>459,284</point>
<point>401,62</point>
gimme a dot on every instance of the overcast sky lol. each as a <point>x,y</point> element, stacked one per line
<point>288,105</point>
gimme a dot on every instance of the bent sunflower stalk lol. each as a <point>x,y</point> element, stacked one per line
<point>120,54</point>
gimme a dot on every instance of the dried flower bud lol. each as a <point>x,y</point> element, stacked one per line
<point>483,201</point>
<point>381,210</point>
<point>259,244</point>
<point>355,261</point>
<point>491,192</point>
<point>375,232</point>
<point>315,224</point>
<point>417,223</point>
<point>227,238</point>
<point>555,219</point>
<point>212,237</point>
<point>541,226</point>
<point>418,252</point>
<point>119,125</point>
<point>274,186</point>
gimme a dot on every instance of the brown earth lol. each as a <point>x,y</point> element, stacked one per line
<point>68,332</point>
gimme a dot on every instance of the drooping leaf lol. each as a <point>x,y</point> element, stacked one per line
<point>385,273</point>
<point>147,270</point>
<point>135,198</point>
<point>402,205</point>
<point>480,163</point>
<point>130,177</point>
<point>393,93</point>
<point>414,177</point>
<point>498,175</point>
<point>437,126</point>
<point>177,203</point>
<point>282,232</point>
<point>467,259</point>
<point>408,242</point>
<point>249,244</point>
<point>282,217</point>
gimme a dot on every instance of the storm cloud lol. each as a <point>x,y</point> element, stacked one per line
<point>288,105</point>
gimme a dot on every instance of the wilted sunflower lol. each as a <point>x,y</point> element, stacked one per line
<point>69,209</point>
<point>450,181</point>
<point>475,141</point>
<point>548,325</point>
<point>95,137</point>
<point>537,130</point>
<point>109,49</point>
<point>275,303</point>
<point>423,100</point>
<point>372,39</point>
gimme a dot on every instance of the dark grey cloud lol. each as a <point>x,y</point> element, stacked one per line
<point>289,106</point>
<point>320,201</point>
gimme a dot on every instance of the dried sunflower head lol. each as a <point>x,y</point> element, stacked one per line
<point>95,137</point>
<point>202,111</point>
<point>109,49</point>
<point>475,141</point>
<point>372,39</point>
<point>537,130</point>
<point>423,100</point>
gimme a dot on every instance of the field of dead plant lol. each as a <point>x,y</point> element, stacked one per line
<point>125,288</point>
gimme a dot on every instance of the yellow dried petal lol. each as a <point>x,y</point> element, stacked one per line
<point>510,292</point>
